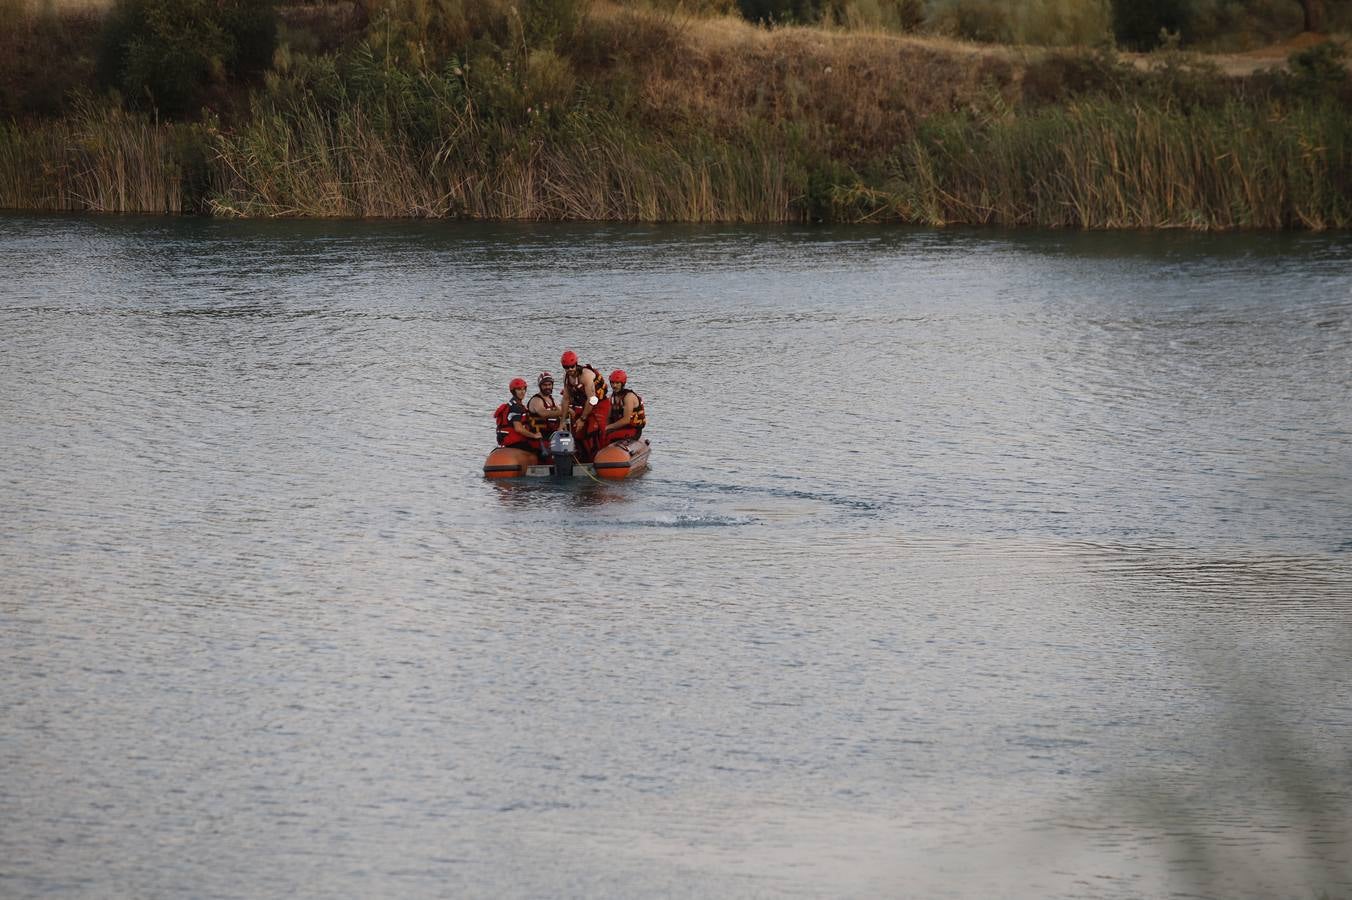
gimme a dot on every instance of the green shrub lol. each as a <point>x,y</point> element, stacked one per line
<point>167,65</point>
<point>193,153</point>
<point>46,54</point>
<point>1140,24</point>
<point>782,12</point>
<point>548,84</point>
<point>892,15</point>
<point>412,106</point>
<point>1187,82</point>
<point>973,20</point>
<point>252,27</point>
<point>626,40</point>
<point>1049,23</point>
<point>1179,81</point>
<point>1064,76</point>
<point>321,28</point>
<point>1062,23</point>
<point>1320,71</point>
<point>425,33</point>
<point>546,21</point>
<point>695,7</point>
<point>1232,25</point>
<point>165,53</point>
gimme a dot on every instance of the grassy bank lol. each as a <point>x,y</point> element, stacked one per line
<point>639,115</point>
<point>1104,164</point>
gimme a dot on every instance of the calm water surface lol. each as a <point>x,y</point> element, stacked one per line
<point>970,564</point>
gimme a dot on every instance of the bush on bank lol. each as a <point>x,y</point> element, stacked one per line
<point>433,108</point>
<point>165,54</point>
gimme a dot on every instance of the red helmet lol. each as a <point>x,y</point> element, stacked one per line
<point>618,375</point>
<point>569,359</point>
<point>517,383</point>
<point>543,377</point>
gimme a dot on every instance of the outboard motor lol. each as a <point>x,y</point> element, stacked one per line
<point>564,450</point>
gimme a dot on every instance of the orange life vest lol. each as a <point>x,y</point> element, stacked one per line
<point>577,391</point>
<point>540,423</point>
<point>634,427</point>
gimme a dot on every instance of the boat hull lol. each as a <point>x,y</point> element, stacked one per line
<point>509,462</point>
<point>617,461</point>
<point>622,459</point>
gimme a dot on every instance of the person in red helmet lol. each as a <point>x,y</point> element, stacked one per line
<point>584,398</point>
<point>511,419</point>
<point>545,412</point>
<point>627,417</point>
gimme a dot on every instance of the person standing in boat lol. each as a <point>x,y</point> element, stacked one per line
<point>512,418</point>
<point>545,413</point>
<point>584,397</point>
<point>627,416</point>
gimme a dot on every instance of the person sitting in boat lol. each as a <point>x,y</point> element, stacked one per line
<point>584,398</point>
<point>512,417</point>
<point>627,417</point>
<point>545,413</point>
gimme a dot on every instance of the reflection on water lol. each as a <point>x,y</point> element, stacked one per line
<point>970,564</point>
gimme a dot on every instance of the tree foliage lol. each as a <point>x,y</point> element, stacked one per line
<point>165,54</point>
<point>782,12</point>
<point>1140,24</point>
<point>1321,70</point>
<point>1316,14</point>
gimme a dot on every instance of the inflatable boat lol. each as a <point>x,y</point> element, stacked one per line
<point>622,459</point>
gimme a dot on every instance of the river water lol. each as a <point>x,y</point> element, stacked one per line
<point>970,564</point>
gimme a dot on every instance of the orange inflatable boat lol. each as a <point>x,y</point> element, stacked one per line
<point>622,459</point>
<point>511,462</point>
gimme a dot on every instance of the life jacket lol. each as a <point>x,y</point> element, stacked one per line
<point>540,423</point>
<point>577,392</point>
<point>637,420</point>
<point>506,414</point>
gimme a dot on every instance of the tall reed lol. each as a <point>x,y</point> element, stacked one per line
<point>1092,164</point>
<point>310,163</point>
<point>1115,164</point>
<point>313,163</point>
<point>99,159</point>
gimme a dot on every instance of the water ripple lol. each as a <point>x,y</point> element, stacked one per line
<point>1022,555</point>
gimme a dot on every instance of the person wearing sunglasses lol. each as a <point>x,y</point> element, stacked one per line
<point>585,404</point>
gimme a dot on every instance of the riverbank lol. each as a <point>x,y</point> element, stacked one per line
<point>637,115</point>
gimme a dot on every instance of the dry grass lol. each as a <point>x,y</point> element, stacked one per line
<point>67,6</point>
<point>733,35</point>
<point>302,163</point>
<point>1238,65</point>
<point>45,56</point>
<point>1108,164</point>
<point>852,92</point>
<point>706,119</point>
<point>100,159</point>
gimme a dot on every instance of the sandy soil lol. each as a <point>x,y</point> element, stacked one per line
<point>1247,63</point>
